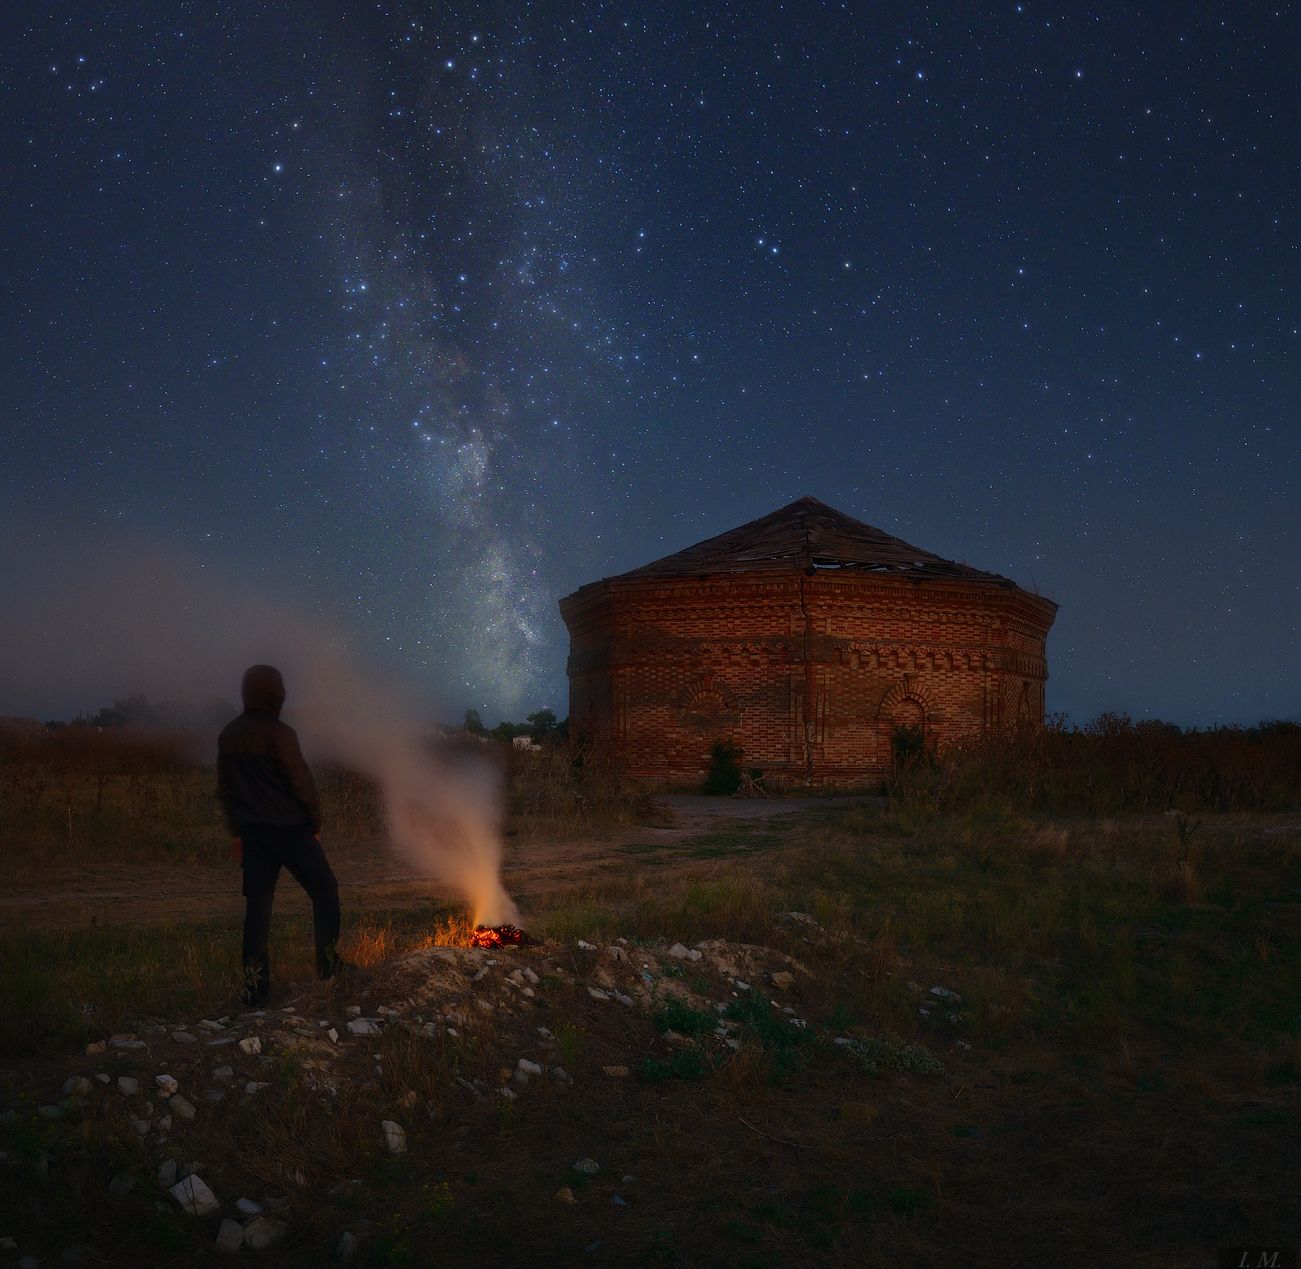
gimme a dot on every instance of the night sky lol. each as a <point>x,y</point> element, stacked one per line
<point>419,317</point>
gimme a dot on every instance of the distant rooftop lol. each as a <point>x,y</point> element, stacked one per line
<point>808,534</point>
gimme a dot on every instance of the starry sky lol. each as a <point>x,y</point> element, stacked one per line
<point>418,317</point>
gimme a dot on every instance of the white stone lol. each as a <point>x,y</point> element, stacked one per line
<point>529,1068</point>
<point>363,1026</point>
<point>128,1086</point>
<point>263,1232</point>
<point>76,1086</point>
<point>250,1045</point>
<point>623,1000</point>
<point>945,994</point>
<point>739,985</point>
<point>167,1084</point>
<point>182,1107</point>
<point>246,1207</point>
<point>394,1137</point>
<point>531,976</point>
<point>353,1011</point>
<point>223,1074</point>
<point>103,1077</point>
<point>194,1196</point>
<point>184,1037</point>
<point>586,946</point>
<point>680,951</point>
<point>597,994</point>
<point>253,1086</point>
<point>230,1237</point>
<point>334,1035</point>
<point>211,1024</point>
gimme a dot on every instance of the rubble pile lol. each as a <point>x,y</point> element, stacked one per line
<point>169,1083</point>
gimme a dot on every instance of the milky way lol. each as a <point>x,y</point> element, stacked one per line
<point>419,318</point>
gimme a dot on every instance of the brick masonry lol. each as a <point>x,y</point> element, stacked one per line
<point>807,672</point>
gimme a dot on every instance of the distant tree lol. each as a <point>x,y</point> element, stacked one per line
<point>508,731</point>
<point>541,724</point>
<point>131,711</point>
<point>474,722</point>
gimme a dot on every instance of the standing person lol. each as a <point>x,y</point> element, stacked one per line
<point>274,815</point>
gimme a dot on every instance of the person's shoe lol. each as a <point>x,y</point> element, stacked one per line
<point>332,965</point>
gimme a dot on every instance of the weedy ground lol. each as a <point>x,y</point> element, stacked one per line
<point>1117,1085</point>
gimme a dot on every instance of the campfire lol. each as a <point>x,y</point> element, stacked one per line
<point>500,936</point>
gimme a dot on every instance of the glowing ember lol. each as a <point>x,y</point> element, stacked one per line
<point>500,936</point>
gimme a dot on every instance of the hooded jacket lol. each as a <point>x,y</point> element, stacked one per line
<point>262,780</point>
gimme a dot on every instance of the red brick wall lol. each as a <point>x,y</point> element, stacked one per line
<point>807,675</point>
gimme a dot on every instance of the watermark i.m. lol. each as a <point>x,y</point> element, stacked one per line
<point>1257,1258</point>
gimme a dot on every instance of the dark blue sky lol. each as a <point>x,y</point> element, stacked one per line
<point>419,317</point>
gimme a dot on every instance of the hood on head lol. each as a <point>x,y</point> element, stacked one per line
<point>263,688</point>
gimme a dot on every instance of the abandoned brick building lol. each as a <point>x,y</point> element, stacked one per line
<point>806,639</point>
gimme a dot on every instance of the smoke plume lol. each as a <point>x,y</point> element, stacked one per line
<point>88,624</point>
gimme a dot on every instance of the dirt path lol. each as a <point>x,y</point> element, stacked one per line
<point>698,832</point>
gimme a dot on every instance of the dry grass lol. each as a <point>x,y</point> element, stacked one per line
<point>1129,989</point>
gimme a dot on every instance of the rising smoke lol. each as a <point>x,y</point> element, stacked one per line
<point>92,622</point>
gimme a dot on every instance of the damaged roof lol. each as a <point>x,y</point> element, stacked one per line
<point>809,535</point>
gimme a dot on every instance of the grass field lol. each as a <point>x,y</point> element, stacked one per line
<point>1116,1082</point>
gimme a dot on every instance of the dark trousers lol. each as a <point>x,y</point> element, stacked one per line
<point>266,851</point>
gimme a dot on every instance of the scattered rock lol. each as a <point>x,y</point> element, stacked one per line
<point>619,1202</point>
<point>167,1174</point>
<point>182,1107</point>
<point>263,1232</point>
<point>529,1068</point>
<point>363,1026</point>
<point>128,1086</point>
<point>394,1137</point>
<point>616,1072</point>
<point>184,1037</point>
<point>167,1085</point>
<point>223,1074</point>
<point>246,1207</point>
<point>250,1045</point>
<point>103,1077</point>
<point>121,1185</point>
<point>194,1197</point>
<point>230,1237</point>
<point>945,994</point>
<point>211,1024</point>
<point>586,946</point>
<point>353,1011</point>
<point>140,1126</point>
<point>597,994</point>
<point>783,980</point>
<point>76,1086</point>
<point>566,1195</point>
<point>334,1039</point>
<point>96,1046</point>
<point>255,1086</point>
<point>682,953</point>
<point>588,1167</point>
